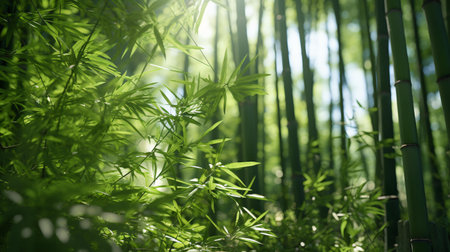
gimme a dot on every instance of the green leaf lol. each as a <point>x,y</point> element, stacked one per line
<point>159,40</point>
<point>249,240</point>
<point>233,175</point>
<point>259,218</point>
<point>256,196</point>
<point>343,225</point>
<point>218,141</point>
<point>200,15</point>
<point>215,125</point>
<point>214,224</point>
<point>224,69</point>
<point>238,165</point>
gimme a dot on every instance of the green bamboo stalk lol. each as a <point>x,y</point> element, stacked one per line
<point>260,102</point>
<point>234,50</point>
<point>343,137</point>
<point>216,115</point>
<point>294,148</point>
<point>373,104</point>
<point>392,211</point>
<point>313,156</point>
<point>249,109</point>
<point>415,193</point>
<point>330,110</point>
<point>441,54</point>
<point>282,160</point>
<point>439,199</point>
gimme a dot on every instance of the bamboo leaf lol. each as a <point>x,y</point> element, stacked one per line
<point>215,125</point>
<point>200,15</point>
<point>238,165</point>
<point>233,175</point>
<point>249,240</point>
<point>159,40</point>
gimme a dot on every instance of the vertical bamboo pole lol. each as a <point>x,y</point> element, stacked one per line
<point>415,193</point>
<point>294,148</point>
<point>248,108</point>
<point>313,156</point>
<point>343,137</point>
<point>438,193</point>
<point>441,54</point>
<point>392,211</point>
<point>260,101</point>
<point>284,191</point>
<point>373,105</point>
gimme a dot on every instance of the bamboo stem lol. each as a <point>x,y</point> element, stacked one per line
<point>415,193</point>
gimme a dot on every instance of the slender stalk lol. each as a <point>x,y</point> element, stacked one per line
<point>260,102</point>
<point>313,155</point>
<point>439,198</point>
<point>330,111</point>
<point>392,211</point>
<point>234,50</point>
<point>441,54</point>
<point>343,149</point>
<point>248,108</point>
<point>415,193</point>
<point>284,191</point>
<point>216,115</point>
<point>294,148</point>
<point>373,98</point>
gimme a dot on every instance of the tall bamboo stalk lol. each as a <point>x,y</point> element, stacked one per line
<point>392,211</point>
<point>216,115</point>
<point>281,156</point>
<point>439,199</point>
<point>260,102</point>
<point>415,193</point>
<point>373,96</point>
<point>294,148</point>
<point>313,156</point>
<point>330,109</point>
<point>441,54</point>
<point>343,149</point>
<point>248,108</point>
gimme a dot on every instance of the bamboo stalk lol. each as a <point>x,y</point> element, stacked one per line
<point>415,193</point>
<point>282,160</point>
<point>438,193</point>
<point>260,101</point>
<point>392,211</point>
<point>343,137</point>
<point>249,110</point>
<point>440,48</point>
<point>294,148</point>
<point>373,95</point>
<point>313,156</point>
<point>330,113</point>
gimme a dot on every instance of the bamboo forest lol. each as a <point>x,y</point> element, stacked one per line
<point>224,125</point>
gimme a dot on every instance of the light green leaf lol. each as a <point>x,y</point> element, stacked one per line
<point>159,40</point>
<point>238,165</point>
